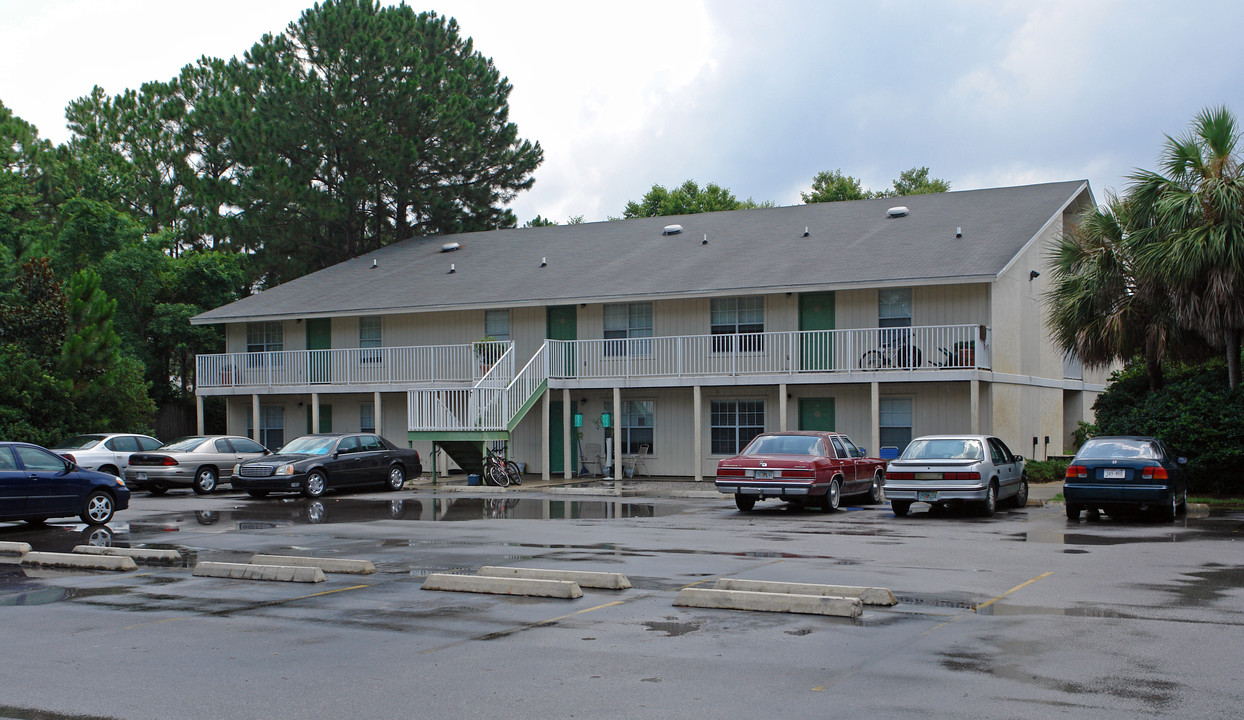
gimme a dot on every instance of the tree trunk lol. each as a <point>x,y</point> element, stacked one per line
<point>1233,357</point>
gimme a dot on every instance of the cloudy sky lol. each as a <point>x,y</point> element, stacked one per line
<point>756,97</point>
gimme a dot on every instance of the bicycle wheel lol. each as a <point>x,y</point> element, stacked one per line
<point>499,476</point>
<point>511,469</point>
<point>872,360</point>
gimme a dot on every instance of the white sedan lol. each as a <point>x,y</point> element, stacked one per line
<point>954,469</point>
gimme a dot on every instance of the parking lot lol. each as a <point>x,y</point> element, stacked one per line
<point>1024,614</point>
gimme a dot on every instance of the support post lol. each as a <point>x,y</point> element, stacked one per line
<point>315,412</point>
<point>255,435</point>
<point>975,408</point>
<point>697,431</point>
<point>198,414</point>
<point>546,458</point>
<point>377,412</point>
<point>617,434</point>
<point>876,419</point>
<point>782,407</point>
<point>571,434</point>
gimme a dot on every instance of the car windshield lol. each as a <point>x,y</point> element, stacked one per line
<point>309,445</point>
<point>81,442</point>
<point>944,449</point>
<point>1118,449</point>
<point>184,444</point>
<point>783,445</point>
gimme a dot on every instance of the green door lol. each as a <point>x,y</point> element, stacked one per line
<point>557,441</point>
<point>816,414</point>
<point>562,323</point>
<point>319,341</point>
<point>816,312</point>
<point>326,419</point>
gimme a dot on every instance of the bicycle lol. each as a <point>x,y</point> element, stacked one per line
<point>892,354</point>
<point>499,471</point>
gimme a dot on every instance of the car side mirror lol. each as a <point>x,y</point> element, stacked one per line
<point>863,452</point>
<point>336,454</point>
<point>1017,459</point>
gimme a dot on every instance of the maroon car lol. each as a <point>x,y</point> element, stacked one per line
<point>808,468</point>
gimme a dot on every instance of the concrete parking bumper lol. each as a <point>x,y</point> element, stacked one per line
<point>14,549</point>
<point>585,579</point>
<point>503,585</point>
<point>166,557</point>
<point>769,602</point>
<point>867,595</point>
<point>245,571</point>
<point>79,562</point>
<point>328,565</point>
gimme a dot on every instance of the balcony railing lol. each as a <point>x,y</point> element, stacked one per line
<point>768,353</point>
<point>488,406</point>
<point>464,364</point>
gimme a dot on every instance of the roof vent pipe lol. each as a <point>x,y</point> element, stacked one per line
<point>374,263</point>
<point>705,240</point>
<point>958,232</point>
<point>898,211</point>
<point>805,231</point>
<point>671,230</point>
<point>451,269</point>
<point>544,262</point>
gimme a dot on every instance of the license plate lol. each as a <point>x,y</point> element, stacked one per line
<point>1114,473</point>
<point>764,474</point>
<point>928,476</point>
<point>141,476</point>
<point>926,496</point>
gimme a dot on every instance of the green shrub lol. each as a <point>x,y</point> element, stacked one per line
<point>1040,471</point>
<point>1194,413</point>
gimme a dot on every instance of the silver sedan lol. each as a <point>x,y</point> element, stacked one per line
<point>195,462</point>
<point>953,469</point>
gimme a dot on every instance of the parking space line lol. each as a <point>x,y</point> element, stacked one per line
<point>1008,592</point>
<point>266,604</point>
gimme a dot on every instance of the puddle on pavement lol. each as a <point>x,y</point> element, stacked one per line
<point>1126,531</point>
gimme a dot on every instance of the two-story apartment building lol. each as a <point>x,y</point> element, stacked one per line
<point>682,336</point>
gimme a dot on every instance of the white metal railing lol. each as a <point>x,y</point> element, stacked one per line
<point>355,366</point>
<point>799,351</point>
<point>488,406</point>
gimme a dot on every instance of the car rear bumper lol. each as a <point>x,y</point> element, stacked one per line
<point>1113,494</point>
<point>761,490</point>
<point>143,477</point>
<point>934,493</point>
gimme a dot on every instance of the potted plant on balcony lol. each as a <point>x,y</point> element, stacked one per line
<point>965,352</point>
<point>486,353</point>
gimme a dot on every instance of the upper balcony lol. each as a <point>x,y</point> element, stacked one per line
<point>803,355</point>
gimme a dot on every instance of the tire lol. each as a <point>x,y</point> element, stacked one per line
<point>257,493</point>
<point>1020,498</point>
<point>499,477</point>
<point>204,481</point>
<point>989,505</point>
<point>111,471</point>
<point>396,479</point>
<point>511,469</point>
<point>744,504</point>
<point>1073,512</point>
<point>900,507</point>
<point>872,360</point>
<point>315,485</point>
<point>875,495</point>
<point>833,496</point>
<point>1171,511</point>
<point>98,508</point>
<point>158,489</point>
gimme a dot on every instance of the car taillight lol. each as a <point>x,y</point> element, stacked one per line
<point>1154,473</point>
<point>798,473</point>
<point>901,475</point>
<point>730,472</point>
<point>1077,471</point>
<point>962,476</point>
<point>168,461</point>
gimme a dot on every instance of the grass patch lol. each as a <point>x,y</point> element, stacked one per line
<point>1222,502</point>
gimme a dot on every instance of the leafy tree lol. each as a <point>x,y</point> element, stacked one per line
<point>1194,208</point>
<point>538,221</point>
<point>833,186</point>
<point>916,181</point>
<point>25,227</point>
<point>33,316</point>
<point>90,230</point>
<point>90,350</point>
<point>363,125</point>
<point>687,199</point>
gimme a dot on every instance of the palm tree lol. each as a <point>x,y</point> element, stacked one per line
<point>1100,308</point>
<point>1193,235</point>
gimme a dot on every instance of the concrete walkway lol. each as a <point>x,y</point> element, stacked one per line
<point>668,487</point>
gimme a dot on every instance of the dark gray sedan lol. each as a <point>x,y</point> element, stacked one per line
<point>313,464</point>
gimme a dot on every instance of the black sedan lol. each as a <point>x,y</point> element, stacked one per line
<point>37,484</point>
<point>313,464</point>
<point>1125,473</point>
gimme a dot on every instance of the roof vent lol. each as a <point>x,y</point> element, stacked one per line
<point>450,247</point>
<point>958,232</point>
<point>374,263</point>
<point>898,211</point>
<point>805,232</point>
<point>544,262</point>
<point>671,230</point>
<point>452,269</point>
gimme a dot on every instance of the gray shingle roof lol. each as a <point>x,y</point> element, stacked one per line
<point>850,244</point>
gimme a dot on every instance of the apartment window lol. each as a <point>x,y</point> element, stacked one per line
<point>626,321</point>
<point>367,418</point>
<point>497,324</point>
<point>264,337</point>
<point>737,315</point>
<point>733,424</point>
<point>636,425</point>
<point>896,422</point>
<point>369,337</point>
<point>271,426</point>
<point>894,311</point>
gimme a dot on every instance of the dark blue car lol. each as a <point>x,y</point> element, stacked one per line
<point>1125,473</point>
<point>37,484</point>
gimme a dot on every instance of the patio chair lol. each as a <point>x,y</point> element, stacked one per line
<point>637,461</point>
<point>590,457</point>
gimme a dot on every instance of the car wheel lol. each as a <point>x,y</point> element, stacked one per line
<point>1171,511</point>
<point>744,503</point>
<point>1021,496</point>
<point>900,507</point>
<point>315,484</point>
<point>833,496</point>
<point>204,481</point>
<point>874,492</point>
<point>397,478</point>
<point>158,489</point>
<point>989,505</point>
<point>257,493</point>
<point>1073,511</point>
<point>98,508</point>
<point>110,470</point>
